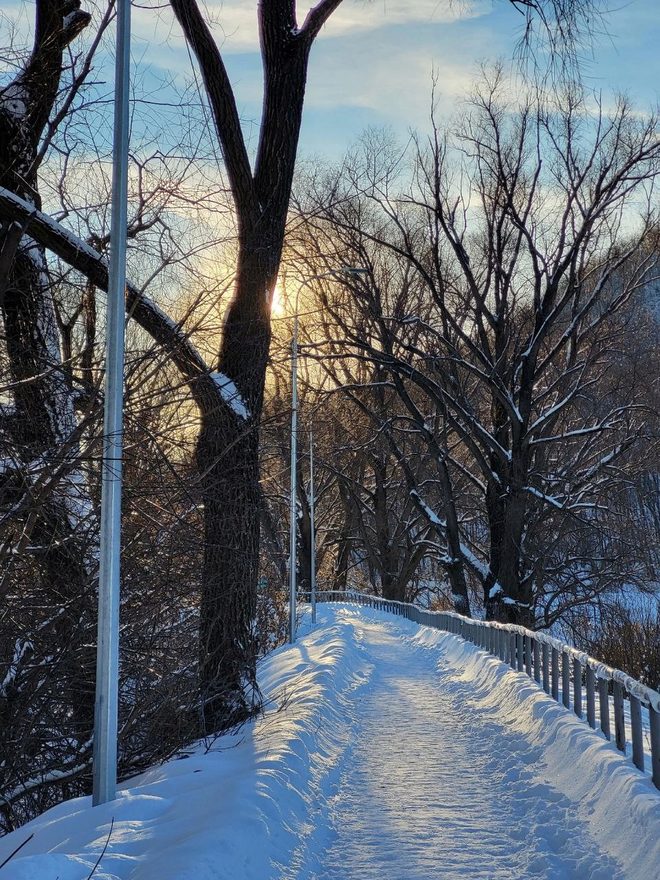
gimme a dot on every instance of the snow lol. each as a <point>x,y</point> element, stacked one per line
<point>387,750</point>
<point>70,18</point>
<point>59,402</point>
<point>72,491</point>
<point>14,100</point>
<point>434,519</point>
<point>65,237</point>
<point>472,561</point>
<point>231,395</point>
<point>21,648</point>
<point>430,514</point>
<point>549,499</point>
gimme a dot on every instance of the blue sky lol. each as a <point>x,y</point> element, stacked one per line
<point>372,63</point>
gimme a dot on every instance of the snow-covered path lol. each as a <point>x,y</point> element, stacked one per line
<point>388,751</point>
<point>430,788</point>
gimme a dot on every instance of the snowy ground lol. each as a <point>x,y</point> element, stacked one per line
<point>389,751</point>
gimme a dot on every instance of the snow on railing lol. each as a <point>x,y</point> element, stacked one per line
<point>553,665</point>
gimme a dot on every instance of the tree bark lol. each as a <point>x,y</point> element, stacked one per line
<point>41,428</point>
<point>227,453</point>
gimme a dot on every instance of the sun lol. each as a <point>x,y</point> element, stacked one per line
<point>277,308</point>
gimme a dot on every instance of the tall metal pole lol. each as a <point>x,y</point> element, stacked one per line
<point>312,528</point>
<point>344,270</point>
<point>107,656</point>
<point>294,481</point>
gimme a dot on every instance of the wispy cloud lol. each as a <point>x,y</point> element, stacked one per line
<point>359,15</point>
<point>234,22</point>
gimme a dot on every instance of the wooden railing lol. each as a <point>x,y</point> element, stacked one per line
<point>595,692</point>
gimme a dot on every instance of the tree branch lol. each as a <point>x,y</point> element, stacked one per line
<point>84,259</point>
<point>223,106</point>
<point>317,17</point>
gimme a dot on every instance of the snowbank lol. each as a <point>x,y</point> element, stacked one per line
<point>617,802</point>
<point>235,808</point>
<point>243,807</point>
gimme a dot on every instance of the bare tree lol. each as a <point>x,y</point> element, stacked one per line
<point>43,488</point>
<point>229,397</point>
<point>50,432</point>
<point>499,282</point>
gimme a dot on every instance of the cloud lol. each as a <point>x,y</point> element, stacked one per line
<point>391,89</point>
<point>359,15</point>
<point>387,73</point>
<point>372,67</point>
<point>234,22</point>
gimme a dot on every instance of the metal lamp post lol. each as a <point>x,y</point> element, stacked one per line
<point>293,529</point>
<point>293,524</point>
<point>104,766</point>
<point>312,527</point>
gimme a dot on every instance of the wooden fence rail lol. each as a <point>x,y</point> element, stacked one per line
<point>553,666</point>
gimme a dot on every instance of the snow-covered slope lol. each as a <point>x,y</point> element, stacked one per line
<point>387,751</point>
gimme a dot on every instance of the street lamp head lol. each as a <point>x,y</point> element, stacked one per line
<point>353,270</point>
<point>333,273</point>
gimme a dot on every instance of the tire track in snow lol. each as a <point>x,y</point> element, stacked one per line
<point>429,790</point>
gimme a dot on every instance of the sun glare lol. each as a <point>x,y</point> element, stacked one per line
<point>278,306</point>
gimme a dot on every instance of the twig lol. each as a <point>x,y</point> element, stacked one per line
<point>107,841</point>
<point>18,848</point>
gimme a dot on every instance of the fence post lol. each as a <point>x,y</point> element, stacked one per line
<point>520,652</point>
<point>619,721</point>
<point>527,642</point>
<point>566,679</point>
<point>654,718</point>
<point>537,660</point>
<point>512,650</point>
<point>577,687</point>
<point>555,673</point>
<point>604,705</point>
<point>637,736</point>
<point>546,667</point>
<point>591,697</point>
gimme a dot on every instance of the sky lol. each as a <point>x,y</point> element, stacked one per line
<point>373,61</point>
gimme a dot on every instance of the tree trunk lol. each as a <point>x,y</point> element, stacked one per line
<point>228,462</point>
<point>227,450</point>
<point>42,429</point>
<point>231,493</point>
<point>506,597</point>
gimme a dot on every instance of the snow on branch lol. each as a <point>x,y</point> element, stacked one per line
<point>22,648</point>
<point>36,782</point>
<point>231,395</point>
<point>469,558</point>
<point>84,259</point>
